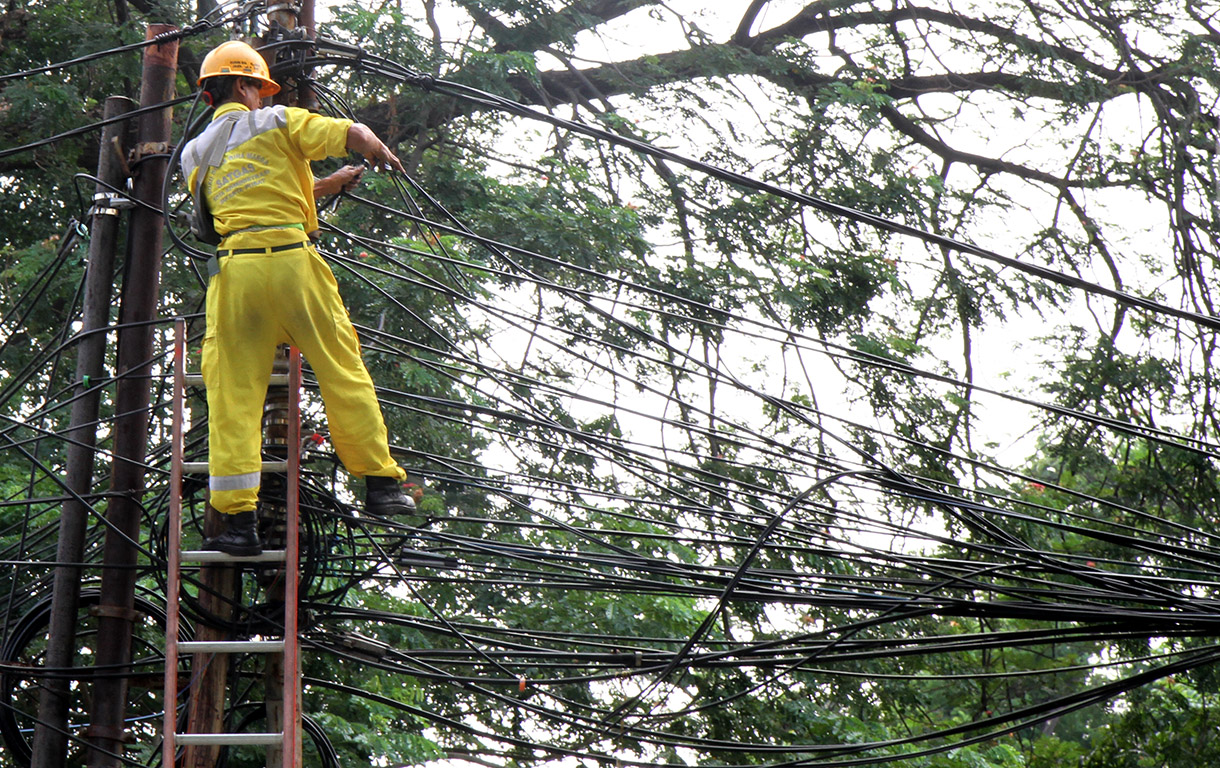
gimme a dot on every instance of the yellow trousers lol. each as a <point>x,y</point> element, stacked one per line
<point>257,302</point>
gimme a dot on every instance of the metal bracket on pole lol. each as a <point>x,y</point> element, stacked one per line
<point>106,732</point>
<point>149,149</point>
<point>110,204</point>
<point>115,612</point>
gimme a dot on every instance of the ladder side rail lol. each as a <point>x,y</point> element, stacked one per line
<point>292,650</point>
<point>173,554</point>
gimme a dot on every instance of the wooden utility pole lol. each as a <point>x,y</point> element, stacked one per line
<point>141,288</point>
<point>297,19</point>
<point>50,744</point>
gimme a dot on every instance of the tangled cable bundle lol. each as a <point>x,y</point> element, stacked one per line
<point>626,571</point>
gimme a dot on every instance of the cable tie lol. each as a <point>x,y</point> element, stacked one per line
<point>340,46</point>
<point>71,236</point>
<point>167,36</point>
<point>311,441</point>
<point>198,27</point>
<point>521,684</point>
<point>420,79</point>
<point>191,29</point>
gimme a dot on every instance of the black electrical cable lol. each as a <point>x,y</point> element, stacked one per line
<point>1025,581</point>
<point>95,126</point>
<point>1198,444</point>
<point>498,103</point>
<point>178,34</point>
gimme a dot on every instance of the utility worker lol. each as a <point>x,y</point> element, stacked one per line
<point>273,288</point>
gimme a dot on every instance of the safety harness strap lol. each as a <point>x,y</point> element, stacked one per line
<point>211,157</point>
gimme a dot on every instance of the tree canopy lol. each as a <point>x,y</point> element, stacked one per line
<point>788,383</point>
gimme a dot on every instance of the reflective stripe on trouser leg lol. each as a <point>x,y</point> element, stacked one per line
<point>353,414</point>
<point>231,494</point>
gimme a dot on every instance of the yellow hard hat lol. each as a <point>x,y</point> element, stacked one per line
<point>238,58</point>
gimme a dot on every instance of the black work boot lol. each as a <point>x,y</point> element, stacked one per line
<point>383,497</point>
<point>240,538</point>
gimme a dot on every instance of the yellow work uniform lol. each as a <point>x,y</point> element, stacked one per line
<point>261,198</point>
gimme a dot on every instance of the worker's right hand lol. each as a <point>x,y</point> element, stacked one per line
<point>360,138</point>
<point>382,157</point>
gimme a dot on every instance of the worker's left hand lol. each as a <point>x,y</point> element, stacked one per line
<point>345,179</point>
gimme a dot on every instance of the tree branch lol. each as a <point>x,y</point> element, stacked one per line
<point>552,28</point>
<point>911,129</point>
<point>815,18</point>
<point>742,35</point>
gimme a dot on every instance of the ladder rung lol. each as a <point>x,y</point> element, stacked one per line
<point>210,556</point>
<point>201,467</point>
<point>221,739</point>
<point>277,380</point>
<point>231,646</point>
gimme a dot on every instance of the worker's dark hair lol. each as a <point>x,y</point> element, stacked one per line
<point>219,89</point>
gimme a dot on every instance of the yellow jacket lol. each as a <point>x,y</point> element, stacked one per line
<point>264,179</point>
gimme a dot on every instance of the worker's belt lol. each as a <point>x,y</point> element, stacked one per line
<point>269,249</point>
<point>214,261</point>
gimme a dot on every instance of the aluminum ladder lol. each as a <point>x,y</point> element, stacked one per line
<point>288,738</point>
